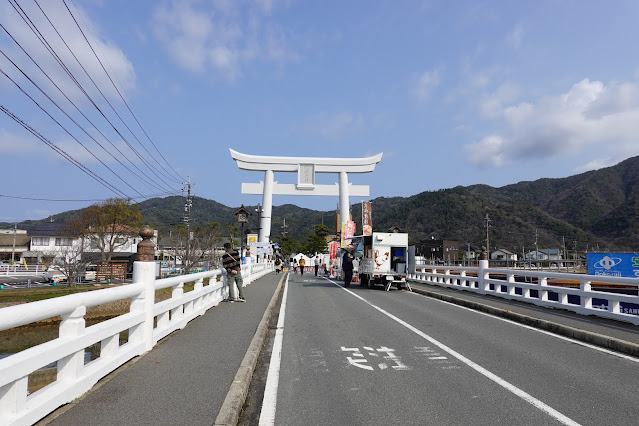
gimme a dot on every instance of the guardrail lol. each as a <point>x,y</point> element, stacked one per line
<point>20,269</point>
<point>534,287</point>
<point>146,323</point>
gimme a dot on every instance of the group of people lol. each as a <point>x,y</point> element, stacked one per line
<point>316,262</point>
<point>231,261</point>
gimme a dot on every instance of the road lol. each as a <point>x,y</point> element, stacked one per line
<point>368,357</point>
<point>20,282</point>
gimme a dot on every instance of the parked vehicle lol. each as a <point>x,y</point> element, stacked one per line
<point>384,259</point>
<point>89,273</point>
<point>54,274</point>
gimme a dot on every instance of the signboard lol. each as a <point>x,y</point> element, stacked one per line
<point>348,230</point>
<point>367,218</point>
<point>613,264</point>
<point>251,238</point>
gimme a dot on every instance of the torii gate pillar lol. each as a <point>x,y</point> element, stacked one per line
<point>305,167</point>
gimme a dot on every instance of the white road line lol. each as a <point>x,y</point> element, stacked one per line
<point>269,403</point>
<point>558,336</point>
<point>501,382</point>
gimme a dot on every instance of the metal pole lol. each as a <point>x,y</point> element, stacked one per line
<point>13,252</point>
<point>241,241</point>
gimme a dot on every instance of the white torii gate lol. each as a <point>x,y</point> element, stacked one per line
<point>305,167</point>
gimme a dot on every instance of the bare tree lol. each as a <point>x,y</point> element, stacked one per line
<point>108,225</point>
<point>201,244</point>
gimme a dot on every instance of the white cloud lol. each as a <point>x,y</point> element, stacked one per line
<point>589,115</point>
<point>336,126</point>
<point>493,104</point>
<point>11,143</point>
<point>516,37</point>
<point>112,57</point>
<point>427,82</point>
<point>596,164</point>
<point>221,37</point>
<point>489,152</point>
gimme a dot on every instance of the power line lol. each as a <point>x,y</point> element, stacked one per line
<point>64,128</point>
<point>75,106</point>
<point>123,100</point>
<point>146,197</point>
<point>63,153</point>
<point>52,51</point>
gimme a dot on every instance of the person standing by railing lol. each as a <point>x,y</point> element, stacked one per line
<point>231,262</point>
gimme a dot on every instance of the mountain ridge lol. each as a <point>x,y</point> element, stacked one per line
<point>592,210</point>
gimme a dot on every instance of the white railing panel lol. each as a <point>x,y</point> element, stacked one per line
<point>482,279</point>
<point>67,351</point>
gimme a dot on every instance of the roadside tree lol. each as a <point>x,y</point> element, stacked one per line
<point>108,226</point>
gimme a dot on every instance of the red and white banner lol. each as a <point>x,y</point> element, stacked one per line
<point>333,246</point>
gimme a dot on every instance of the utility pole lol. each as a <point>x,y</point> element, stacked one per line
<point>258,210</point>
<point>187,220</point>
<point>284,226</point>
<point>488,220</point>
<point>536,248</point>
<point>13,252</point>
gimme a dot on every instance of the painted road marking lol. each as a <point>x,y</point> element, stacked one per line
<point>557,336</point>
<point>501,382</point>
<point>362,362</point>
<point>269,404</point>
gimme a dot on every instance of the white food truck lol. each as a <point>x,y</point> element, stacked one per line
<point>384,259</point>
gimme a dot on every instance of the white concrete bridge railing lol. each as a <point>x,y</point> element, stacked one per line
<point>147,323</point>
<point>534,287</point>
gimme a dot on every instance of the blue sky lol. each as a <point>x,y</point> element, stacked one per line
<point>453,93</point>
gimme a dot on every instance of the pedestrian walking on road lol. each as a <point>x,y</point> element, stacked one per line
<point>316,263</point>
<point>231,262</point>
<point>347,267</point>
<point>302,265</point>
<point>295,265</point>
<point>278,265</point>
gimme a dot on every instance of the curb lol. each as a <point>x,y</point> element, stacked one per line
<point>231,409</point>
<point>596,339</point>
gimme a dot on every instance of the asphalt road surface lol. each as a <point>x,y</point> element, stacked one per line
<point>15,282</point>
<point>368,357</point>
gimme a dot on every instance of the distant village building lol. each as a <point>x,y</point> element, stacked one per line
<point>50,241</point>
<point>442,250</point>
<point>13,243</point>
<point>504,255</point>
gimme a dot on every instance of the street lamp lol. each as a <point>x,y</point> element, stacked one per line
<point>242,218</point>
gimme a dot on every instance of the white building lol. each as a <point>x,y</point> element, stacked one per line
<point>50,242</point>
<point>503,255</point>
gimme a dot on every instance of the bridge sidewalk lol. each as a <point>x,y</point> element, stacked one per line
<point>612,334</point>
<point>185,378</point>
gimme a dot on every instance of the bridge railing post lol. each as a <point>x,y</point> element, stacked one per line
<point>144,272</point>
<point>482,273</point>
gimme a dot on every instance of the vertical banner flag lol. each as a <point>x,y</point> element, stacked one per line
<point>367,218</point>
<point>332,249</point>
<point>348,230</point>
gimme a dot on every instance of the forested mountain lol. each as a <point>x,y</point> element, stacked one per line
<point>597,210</point>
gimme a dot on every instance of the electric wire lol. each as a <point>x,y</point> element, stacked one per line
<point>115,87</point>
<point>123,100</point>
<point>52,51</point>
<point>146,197</point>
<point>60,151</point>
<point>65,129</point>
<point>149,182</point>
